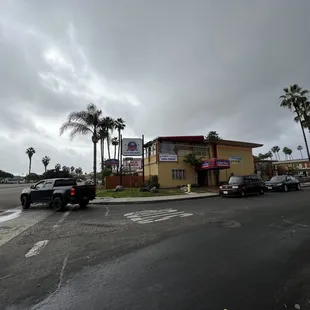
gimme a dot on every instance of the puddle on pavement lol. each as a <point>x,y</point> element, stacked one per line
<point>9,215</point>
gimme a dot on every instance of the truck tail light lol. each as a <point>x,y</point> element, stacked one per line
<point>72,192</point>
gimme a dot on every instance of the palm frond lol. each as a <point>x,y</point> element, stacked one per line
<point>76,128</point>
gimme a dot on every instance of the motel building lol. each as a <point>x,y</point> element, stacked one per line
<point>164,158</point>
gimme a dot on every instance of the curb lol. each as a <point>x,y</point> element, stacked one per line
<point>149,202</point>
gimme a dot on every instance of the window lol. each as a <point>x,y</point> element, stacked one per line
<point>178,174</point>
<point>153,149</point>
<point>68,182</point>
<point>40,185</point>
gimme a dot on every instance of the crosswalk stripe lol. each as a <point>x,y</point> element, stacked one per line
<point>152,216</point>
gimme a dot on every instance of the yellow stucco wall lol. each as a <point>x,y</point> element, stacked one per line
<point>165,173</point>
<point>245,167</point>
<point>150,166</point>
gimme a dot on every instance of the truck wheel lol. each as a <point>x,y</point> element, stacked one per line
<point>25,203</point>
<point>83,204</point>
<point>58,204</point>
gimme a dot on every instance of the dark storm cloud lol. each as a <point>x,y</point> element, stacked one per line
<point>166,67</point>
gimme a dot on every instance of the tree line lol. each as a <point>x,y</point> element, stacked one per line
<point>275,151</point>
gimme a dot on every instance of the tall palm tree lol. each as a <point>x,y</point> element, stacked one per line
<point>72,169</point>
<point>285,151</point>
<point>57,167</point>
<point>289,153</point>
<point>119,126</point>
<point>30,152</point>
<point>83,123</point>
<point>115,144</point>
<point>300,148</point>
<point>45,160</point>
<point>275,150</point>
<point>296,99</point>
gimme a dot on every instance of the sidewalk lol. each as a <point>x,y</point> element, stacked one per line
<point>145,200</point>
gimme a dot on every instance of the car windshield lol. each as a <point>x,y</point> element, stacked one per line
<point>235,180</point>
<point>278,178</point>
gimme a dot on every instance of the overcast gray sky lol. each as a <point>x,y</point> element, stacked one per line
<point>168,67</point>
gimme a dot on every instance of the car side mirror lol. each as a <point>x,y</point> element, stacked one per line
<point>32,186</point>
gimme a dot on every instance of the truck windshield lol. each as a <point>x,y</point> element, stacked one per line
<point>70,182</point>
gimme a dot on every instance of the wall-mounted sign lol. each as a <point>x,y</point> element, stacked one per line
<point>132,147</point>
<point>215,163</point>
<point>235,160</point>
<point>163,157</point>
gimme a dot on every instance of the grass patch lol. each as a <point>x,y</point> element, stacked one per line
<point>134,192</point>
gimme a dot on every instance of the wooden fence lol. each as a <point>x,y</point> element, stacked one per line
<point>112,181</point>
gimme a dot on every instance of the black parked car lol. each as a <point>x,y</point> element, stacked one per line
<point>283,183</point>
<point>242,186</point>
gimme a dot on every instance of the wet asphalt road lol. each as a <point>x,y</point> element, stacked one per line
<point>230,254</point>
<point>10,195</point>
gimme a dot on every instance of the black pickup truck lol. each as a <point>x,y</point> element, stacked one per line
<point>58,193</point>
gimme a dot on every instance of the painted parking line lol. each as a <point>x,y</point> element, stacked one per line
<point>37,248</point>
<point>153,216</point>
<point>64,216</point>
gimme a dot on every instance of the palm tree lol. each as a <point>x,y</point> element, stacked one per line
<point>78,171</point>
<point>57,167</point>
<point>275,150</point>
<point>289,153</point>
<point>30,152</point>
<point>119,125</point>
<point>300,148</point>
<point>115,144</point>
<point>85,122</point>
<point>72,169</point>
<point>65,168</point>
<point>296,99</point>
<point>45,160</point>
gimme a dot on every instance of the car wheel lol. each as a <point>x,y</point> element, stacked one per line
<point>58,204</point>
<point>285,188</point>
<point>261,192</point>
<point>25,203</point>
<point>298,187</point>
<point>242,193</point>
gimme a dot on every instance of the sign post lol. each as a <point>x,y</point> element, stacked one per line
<point>143,159</point>
<point>121,162</point>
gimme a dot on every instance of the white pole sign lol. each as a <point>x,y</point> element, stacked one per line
<point>132,147</point>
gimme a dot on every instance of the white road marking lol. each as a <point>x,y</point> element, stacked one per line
<point>15,226</point>
<point>10,215</point>
<point>153,216</point>
<point>37,248</point>
<point>107,213</point>
<point>65,215</point>
<point>289,222</point>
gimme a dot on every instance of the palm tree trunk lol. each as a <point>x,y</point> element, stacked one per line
<point>108,145</point>
<point>29,166</point>
<point>102,158</point>
<point>301,155</point>
<point>305,139</point>
<point>119,149</point>
<point>115,151</point>
<point>303,131</point>
<point>95,163</point>
<point>279,156</point>
<point>102,152</point>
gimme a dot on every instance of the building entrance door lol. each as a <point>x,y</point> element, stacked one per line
<point>203,177</point>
